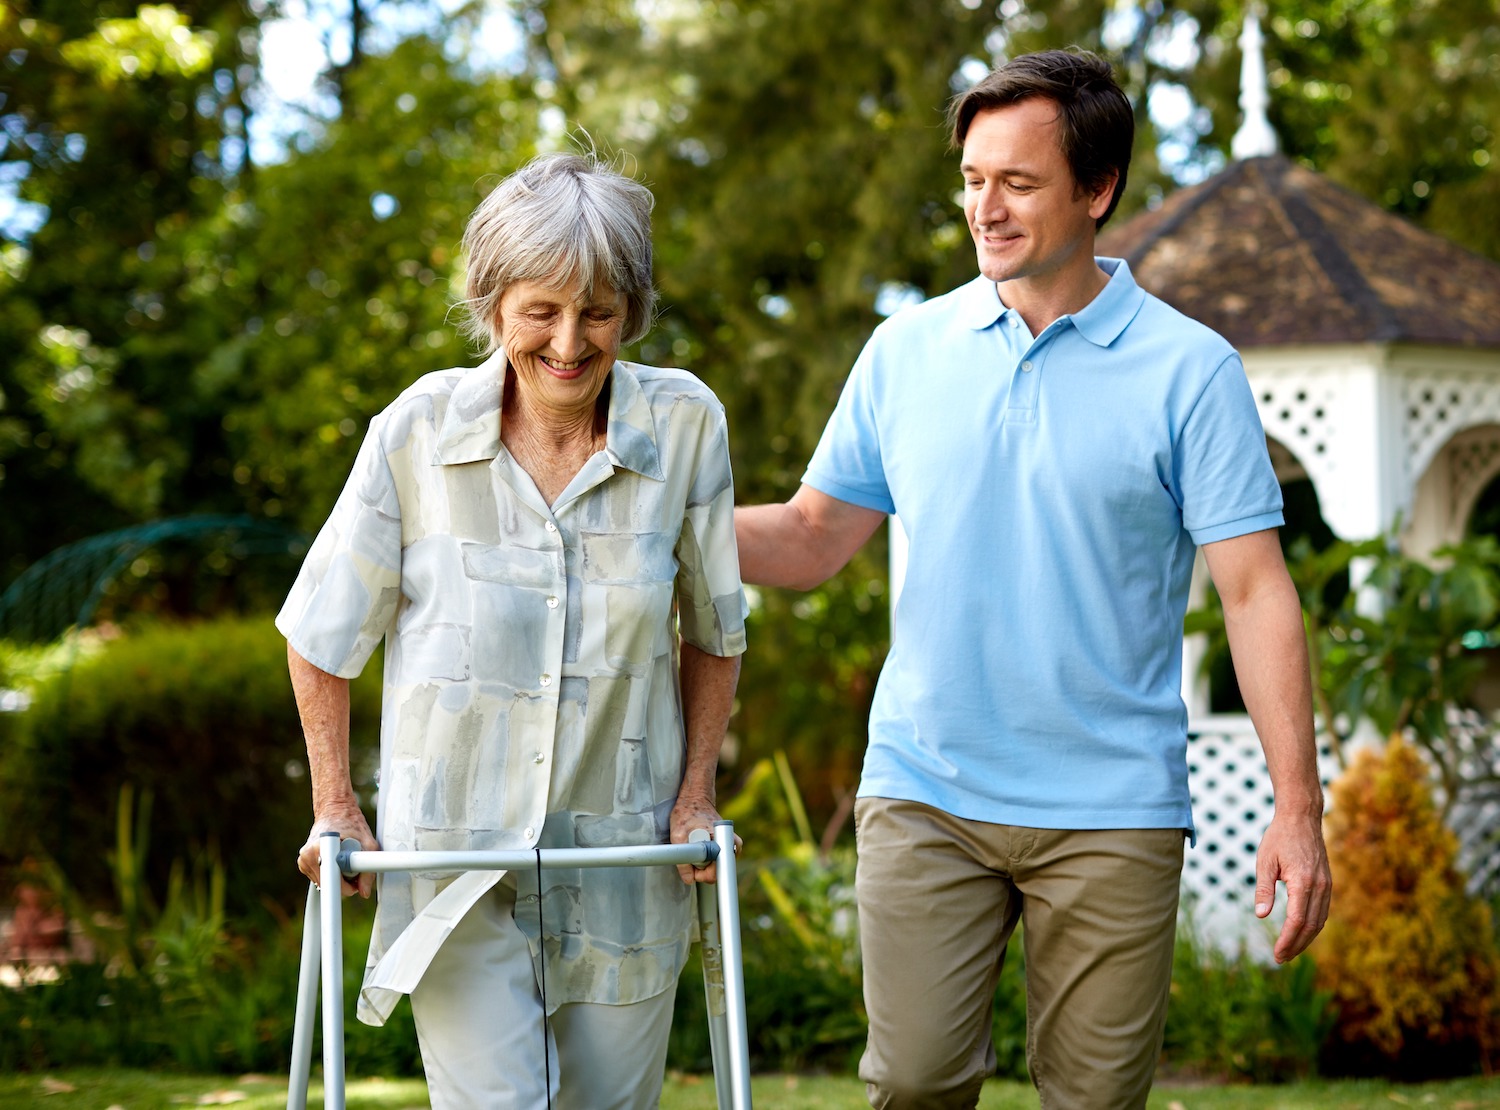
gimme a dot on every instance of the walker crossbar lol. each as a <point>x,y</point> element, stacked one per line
<point>719,927</point>
<point>356,862</point>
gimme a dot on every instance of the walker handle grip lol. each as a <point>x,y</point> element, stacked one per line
<point>703,836</point>
<point>347,846</point>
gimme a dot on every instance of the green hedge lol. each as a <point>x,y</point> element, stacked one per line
<point>202,717</point>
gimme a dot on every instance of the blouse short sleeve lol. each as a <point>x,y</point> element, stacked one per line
<point>710,599</point>
<point>346,594</point>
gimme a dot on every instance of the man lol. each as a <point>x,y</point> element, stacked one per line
<point>1056,443</point>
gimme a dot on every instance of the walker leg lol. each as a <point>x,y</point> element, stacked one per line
<point>711,952</point>
<point>734,971</point>
<point>307,1006</point>
<point>330,883</point>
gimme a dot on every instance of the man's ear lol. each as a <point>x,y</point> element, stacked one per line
<point>1099,199</point>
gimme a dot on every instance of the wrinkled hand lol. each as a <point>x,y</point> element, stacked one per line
<point>348,822</point>
<point>695,811</point>
<point>1292,851</point>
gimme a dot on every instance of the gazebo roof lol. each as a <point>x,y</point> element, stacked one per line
<point>1268,253</point>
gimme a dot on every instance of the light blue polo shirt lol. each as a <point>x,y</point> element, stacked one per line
<point>1053,489</point>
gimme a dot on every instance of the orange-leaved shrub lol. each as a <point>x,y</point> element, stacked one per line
<point>1409,955</point>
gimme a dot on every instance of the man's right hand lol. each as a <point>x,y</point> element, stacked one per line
<point>348,822</point>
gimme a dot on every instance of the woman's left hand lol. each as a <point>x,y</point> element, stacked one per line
<point>695,811</point>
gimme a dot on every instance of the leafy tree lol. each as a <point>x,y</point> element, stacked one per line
<point>348,252</point>
<point>1395,100</point>
<point>125,127</point>
<point>205,335</point>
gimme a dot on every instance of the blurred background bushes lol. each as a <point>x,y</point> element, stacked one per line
<point>196,722</point>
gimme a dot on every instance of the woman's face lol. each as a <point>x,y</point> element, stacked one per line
<point>560,343</point>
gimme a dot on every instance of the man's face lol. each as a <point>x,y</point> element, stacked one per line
<point>1027,214</point>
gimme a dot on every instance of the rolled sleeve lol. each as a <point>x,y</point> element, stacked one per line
<point>347,591</point>
<point>711,606</point>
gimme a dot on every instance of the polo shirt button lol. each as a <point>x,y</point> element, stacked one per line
<point>552,603</point>
<point>1026,366</point>
<point>550,526</point>
<point>546,680</point>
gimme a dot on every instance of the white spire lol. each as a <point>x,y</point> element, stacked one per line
<point>1255,138</point>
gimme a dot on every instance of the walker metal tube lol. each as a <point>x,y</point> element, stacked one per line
<point>330,885</point>
<point>307,1005</point>
<point>734,975</point>
<point>711,953</point>
<point>352,863</point>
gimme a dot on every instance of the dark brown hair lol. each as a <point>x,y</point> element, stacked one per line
<point>1098,124</point>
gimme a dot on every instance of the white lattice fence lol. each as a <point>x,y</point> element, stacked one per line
<point>1232,804</point>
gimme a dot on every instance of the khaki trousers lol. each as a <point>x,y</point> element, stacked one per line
<point>479,1023</point>
<point>938,899</point>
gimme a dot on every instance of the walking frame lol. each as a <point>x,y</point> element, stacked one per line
<point>718,919</point>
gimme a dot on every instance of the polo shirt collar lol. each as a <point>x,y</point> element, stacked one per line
<point>1103,319</point>
<point>471,425</point>
<point>1100,321</point>
<point>979,303</point>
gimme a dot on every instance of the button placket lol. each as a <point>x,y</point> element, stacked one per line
<point>1025,385</point>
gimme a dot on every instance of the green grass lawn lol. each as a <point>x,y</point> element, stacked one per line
<point>143,1090</point>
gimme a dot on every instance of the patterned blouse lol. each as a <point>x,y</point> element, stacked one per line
<point>530,692</point>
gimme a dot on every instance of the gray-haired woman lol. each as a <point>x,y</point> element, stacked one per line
<point>546,543</point>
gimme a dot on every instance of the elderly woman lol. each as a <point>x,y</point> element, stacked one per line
<point>546,544</point>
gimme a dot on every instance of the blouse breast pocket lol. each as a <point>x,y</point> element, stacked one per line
<point>627,583</point>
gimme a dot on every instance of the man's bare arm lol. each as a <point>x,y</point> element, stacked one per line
<point>1263,619</point>
<point>803,542</point>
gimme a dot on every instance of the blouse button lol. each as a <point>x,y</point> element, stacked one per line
<point>546,680</point>
<point>550,526</point>
<point>528,832</point>
<point>538,758</point>
<point>552,603</point>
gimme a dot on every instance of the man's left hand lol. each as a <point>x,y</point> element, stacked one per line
<point>1292,851</point>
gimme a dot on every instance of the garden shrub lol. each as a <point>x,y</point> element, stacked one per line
<point>1408,954</point>
<point>200,719</point>
<point>1232,1016</point>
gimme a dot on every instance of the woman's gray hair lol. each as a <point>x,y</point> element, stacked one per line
<point>561,218</point>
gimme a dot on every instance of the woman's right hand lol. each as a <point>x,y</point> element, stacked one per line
<point>348,822</point>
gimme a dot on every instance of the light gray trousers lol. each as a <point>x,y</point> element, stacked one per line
<point>479,1023</point>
